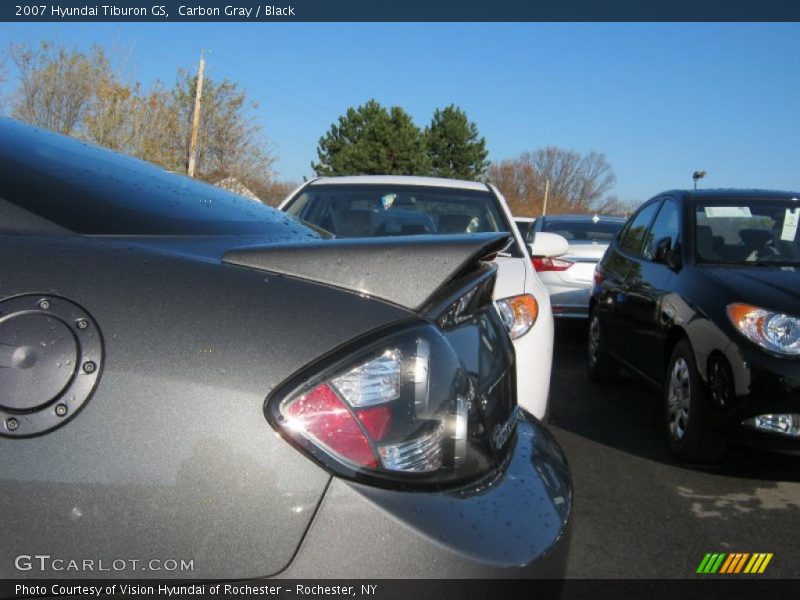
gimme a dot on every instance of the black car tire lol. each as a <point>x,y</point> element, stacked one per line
<point>600,364</point>
<point>688,436</point>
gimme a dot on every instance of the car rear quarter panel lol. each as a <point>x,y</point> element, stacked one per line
<point>172,457</point>
<point>516,525</point>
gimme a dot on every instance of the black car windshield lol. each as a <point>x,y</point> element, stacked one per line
<point>352,211</point>
<point>759,231</point>
<point>585,231</point>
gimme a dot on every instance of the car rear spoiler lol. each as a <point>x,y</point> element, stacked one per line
<point>406,270</point>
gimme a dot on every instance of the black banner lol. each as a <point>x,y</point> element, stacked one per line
<point>402,10</point>
<point>382,589</point>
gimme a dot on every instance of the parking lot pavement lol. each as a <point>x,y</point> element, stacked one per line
<point>639,513</point>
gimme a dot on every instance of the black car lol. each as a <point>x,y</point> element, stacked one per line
<point>700,294</point>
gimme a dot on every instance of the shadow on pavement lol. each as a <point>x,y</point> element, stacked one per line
<point>626,415</point>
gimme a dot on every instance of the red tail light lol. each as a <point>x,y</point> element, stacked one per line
<point>551,264</point>
<point>598,277</point>
<point>402,409</point>
<point>323,416</point>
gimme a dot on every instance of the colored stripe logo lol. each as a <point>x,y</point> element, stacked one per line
<point>734,563</point>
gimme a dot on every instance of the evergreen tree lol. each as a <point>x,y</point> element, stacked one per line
<point>455,147</point>
<point>370,140</point>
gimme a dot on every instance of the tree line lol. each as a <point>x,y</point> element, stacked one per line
<point>374,140</point>
<point>81,94</point>
<point>84,95</point>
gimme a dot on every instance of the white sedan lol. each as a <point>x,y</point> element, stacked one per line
<point>368,206</point>
<point>569,279</point>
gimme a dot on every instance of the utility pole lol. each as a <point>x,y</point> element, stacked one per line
<point>198,97</point>
<point>546,193</point>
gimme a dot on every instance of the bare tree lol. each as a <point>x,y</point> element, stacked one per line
<point>81,94</point>
<point>612,205</point>
<point>275,192</point>
<point>577,182</point>
<point>155,133</point>
<point>110,118</point>
<point>230,143</point>
<point>520,183</point>
<point>57,85</point>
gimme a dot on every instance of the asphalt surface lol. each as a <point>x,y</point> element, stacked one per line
<point>638,512</point>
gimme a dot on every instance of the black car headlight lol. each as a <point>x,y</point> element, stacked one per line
<point>771,330</point>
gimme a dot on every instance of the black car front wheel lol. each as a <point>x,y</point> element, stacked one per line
<point>601,365</point>
<point>688,437</point>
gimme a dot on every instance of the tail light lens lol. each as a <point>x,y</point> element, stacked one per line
<point>598,277</point>
<point>402,408</point>
<point>519,313</point>
<point>551,264</point>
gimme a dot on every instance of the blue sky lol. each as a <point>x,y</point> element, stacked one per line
<point>660,100</point>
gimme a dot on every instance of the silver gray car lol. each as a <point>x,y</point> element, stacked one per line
<point>569,278</point>
<point>193,384</point>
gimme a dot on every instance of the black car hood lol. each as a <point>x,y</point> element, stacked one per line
<point>775,288</point>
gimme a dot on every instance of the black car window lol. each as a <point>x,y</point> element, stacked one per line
<point>667,224</point>
<point>634,235</point>
<point>753,231</point>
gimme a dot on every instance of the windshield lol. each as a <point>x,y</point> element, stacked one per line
<point>589,231</point>
<point>351,211</point>
<point>756,231</point>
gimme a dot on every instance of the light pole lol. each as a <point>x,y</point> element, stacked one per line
<point>696,176</point>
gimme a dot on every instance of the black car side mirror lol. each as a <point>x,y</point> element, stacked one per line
<point>663,247</point>
<point>674,260</point>
<point>666,254</point>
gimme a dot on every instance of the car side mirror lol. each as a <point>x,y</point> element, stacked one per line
<point>666,254</point>
<point>674,260</point>
<point>663,248</point>
<point>548,245</point>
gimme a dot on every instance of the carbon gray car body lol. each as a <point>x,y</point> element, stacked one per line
<point>147,323</point>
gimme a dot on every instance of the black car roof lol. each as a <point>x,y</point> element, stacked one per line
<point>730,193</point>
